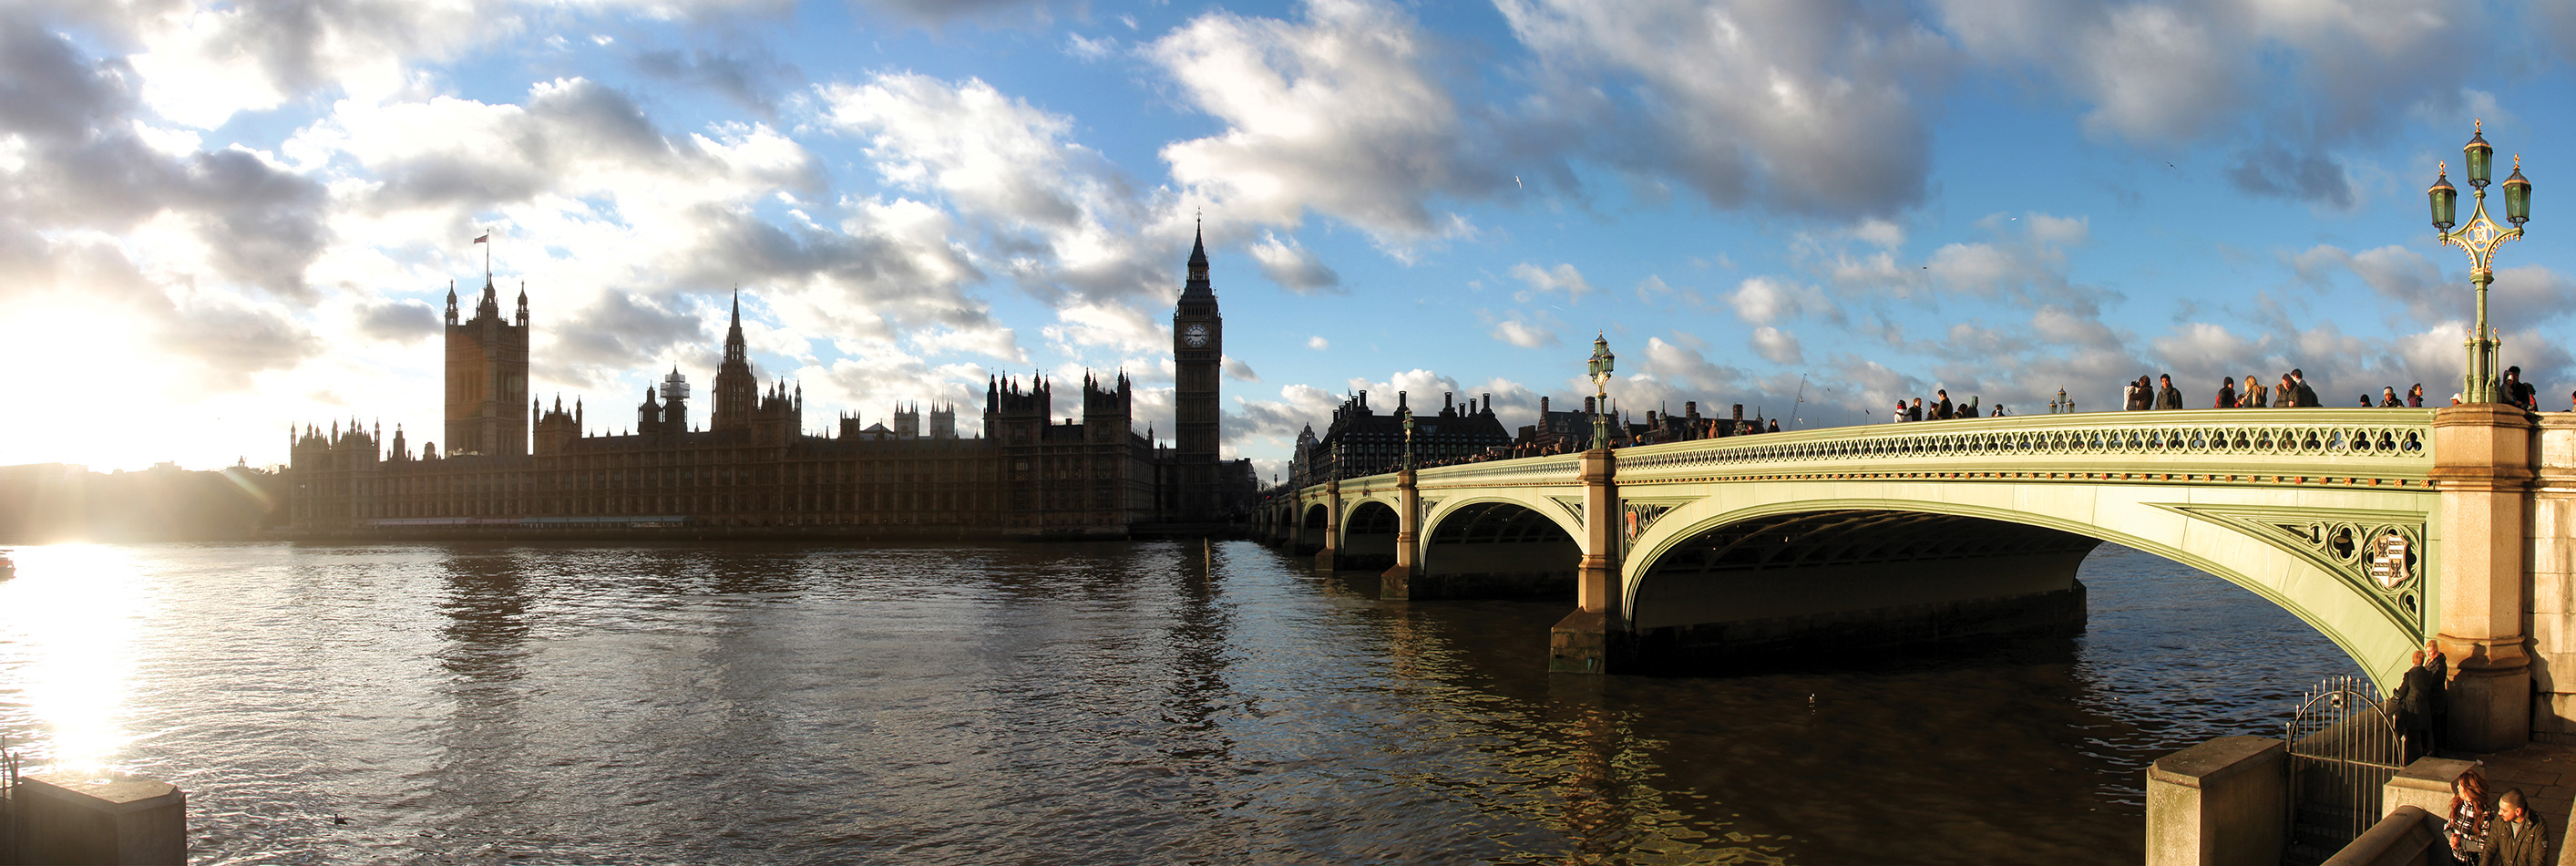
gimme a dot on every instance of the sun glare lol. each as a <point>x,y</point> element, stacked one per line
<point>67,625</point>
<point>72,356</point>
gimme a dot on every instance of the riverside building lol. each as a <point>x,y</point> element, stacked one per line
<point>515,467</point>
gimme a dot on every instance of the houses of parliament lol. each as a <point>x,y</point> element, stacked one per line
<point>515,465</point>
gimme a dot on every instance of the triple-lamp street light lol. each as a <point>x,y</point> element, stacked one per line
<point>2479,239</point>
<point>1599,364</point>
<point>1407,413</point>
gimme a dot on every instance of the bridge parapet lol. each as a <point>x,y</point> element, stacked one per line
<point>2378,443</point>
<point>1552,469</point>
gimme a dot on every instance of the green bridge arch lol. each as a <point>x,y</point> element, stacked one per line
<point>2281,503</point>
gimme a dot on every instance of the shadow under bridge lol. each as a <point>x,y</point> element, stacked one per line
<point>1834,583</point>
<point>1497,550</point>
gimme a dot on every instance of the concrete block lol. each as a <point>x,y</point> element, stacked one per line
<point>2221,802</point>
<point>1579,644</point>
<point>83,818</point>
<point>2424,784</point>
<point>2402,839</point>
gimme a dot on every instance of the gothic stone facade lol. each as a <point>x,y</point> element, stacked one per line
<point>754,469</point>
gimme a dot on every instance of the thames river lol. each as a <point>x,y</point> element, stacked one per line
<point>1066,703</point>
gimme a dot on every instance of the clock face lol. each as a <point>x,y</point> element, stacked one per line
<point>1196,336</point>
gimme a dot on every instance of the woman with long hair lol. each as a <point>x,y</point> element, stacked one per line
<point>2466,828</point>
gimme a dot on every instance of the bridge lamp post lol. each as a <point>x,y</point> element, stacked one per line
<point>1408,437</point>
<point>2480,238</point>
<point>1600,364</point>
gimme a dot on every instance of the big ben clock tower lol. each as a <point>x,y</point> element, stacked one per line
<point>1198,351</point>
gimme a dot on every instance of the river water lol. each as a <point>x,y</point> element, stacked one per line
<point>1093,703</point>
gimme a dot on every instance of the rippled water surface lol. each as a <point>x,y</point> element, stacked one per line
<point>1096,703</point>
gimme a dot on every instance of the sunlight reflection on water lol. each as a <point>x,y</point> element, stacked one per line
<point>74,610</point>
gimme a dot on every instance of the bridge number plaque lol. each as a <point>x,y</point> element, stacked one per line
<point>2388,560</point>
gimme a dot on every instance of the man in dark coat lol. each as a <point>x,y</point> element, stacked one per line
<point>2167,396</point>
<point>2307,395</point>
<point>2517,838</point>
<point>2415,696</point>
<point>1942,410</point>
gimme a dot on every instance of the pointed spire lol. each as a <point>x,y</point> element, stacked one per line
<point>734,348</point>
<point>1197,286</point>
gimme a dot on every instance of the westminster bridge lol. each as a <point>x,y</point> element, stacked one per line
<point>2379,527</point>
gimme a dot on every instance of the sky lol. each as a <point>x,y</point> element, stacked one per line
<point>220,221</point>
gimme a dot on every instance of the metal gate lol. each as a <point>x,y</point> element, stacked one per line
<point>2344,746</point>
<point>11,833</point>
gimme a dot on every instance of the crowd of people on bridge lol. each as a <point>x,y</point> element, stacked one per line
<point>1941,409</point>
<point>2290,391</point>
<point>1657,428</point>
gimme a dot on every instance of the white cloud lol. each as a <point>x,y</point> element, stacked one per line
<point>1764,300</point>
<point>1287,263</point>
<point>1090,49</point>
<point>1524,334</point>
<point>1336,114</point>
<point>1562,278</point>
<point>1884,233</point>
<point>1801,105</point>
<point>1119,327</point>
<point>1067,226</point>
<point>2351,69</point>
<point>1777,346</point>
<point>1318,343</point>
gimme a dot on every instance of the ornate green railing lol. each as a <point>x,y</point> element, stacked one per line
<point>2390,442</point>
<point>2375,443</point>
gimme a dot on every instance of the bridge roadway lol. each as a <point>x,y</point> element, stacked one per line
<point>2379,527</point>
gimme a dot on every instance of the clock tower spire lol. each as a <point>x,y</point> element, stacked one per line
<point>1198,353</point>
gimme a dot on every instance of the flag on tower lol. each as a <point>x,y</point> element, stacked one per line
<point>486,236</point>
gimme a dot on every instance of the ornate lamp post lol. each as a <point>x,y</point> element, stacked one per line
<point>1408,436</point>
<point>2479,238</point>
<point>1600,364</point>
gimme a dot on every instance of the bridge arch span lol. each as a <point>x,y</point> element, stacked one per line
<point>1497,546</point>
<point>1546,508</point>
<point>1369,527</point>
<point>1685,569</point>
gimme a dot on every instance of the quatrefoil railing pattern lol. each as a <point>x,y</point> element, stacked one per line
<point>2297,436</point>
<point>2381,442</point>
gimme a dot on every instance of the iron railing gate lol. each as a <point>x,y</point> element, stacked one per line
<point>11,833</point>
<point>2344,746</point>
